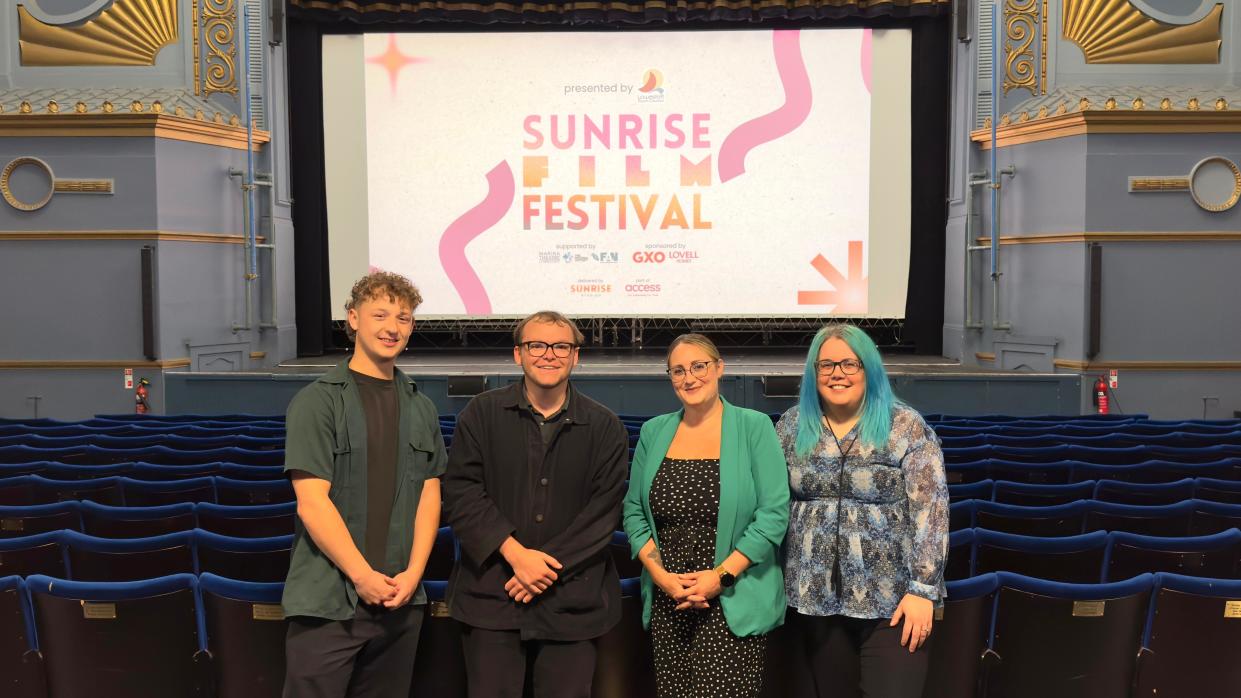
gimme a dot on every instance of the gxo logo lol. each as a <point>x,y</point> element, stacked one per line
<point>656,257</point>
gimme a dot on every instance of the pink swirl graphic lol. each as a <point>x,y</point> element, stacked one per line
<point>782,121</point>
<point>470,225</point>
<point>866,58</point>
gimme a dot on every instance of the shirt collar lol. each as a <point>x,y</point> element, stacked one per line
<point>572,408</point>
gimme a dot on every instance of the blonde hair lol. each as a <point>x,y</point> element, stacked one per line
<point>699,340</point>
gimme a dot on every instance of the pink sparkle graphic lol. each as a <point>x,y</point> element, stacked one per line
<point>392,60</point>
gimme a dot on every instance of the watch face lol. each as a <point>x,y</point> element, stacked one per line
<point>727,579</point>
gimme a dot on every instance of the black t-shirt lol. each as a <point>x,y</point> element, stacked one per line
<point>379,402</point>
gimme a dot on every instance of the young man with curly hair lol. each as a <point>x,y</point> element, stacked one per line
<point>365,453</point>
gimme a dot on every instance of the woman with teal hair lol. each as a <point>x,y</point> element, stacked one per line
<point>868,522</point>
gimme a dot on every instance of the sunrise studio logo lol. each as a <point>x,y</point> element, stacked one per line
<point>652,89</point>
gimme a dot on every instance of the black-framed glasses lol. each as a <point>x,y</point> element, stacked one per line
<point>697,369</point>
<point>848,367</point>
<point>560,350</point>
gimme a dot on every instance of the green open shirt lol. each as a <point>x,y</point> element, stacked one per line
<point>326,438</point>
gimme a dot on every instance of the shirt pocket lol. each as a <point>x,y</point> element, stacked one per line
<point>421,454</point>
<point>877,482</point>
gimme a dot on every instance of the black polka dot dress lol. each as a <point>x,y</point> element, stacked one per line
<point>696,655</point>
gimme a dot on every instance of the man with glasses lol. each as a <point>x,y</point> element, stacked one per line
<point>533,492</point>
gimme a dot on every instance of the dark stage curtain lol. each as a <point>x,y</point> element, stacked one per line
<point>609,13</point>
<point>310,19</point>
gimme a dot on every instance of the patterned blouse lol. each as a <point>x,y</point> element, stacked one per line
<point>895,525</point>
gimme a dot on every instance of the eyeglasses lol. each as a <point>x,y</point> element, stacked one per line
<point>560,350</point>
<point>697,369</point>
<point>847,367</point>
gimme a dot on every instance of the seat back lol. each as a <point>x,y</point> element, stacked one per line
<point>93,559</point>
<point>246,631</point>
<point>21,672</point>
<point>1053,521</point>
<point>118,640</point>
<point>625,666</point>
<point>41,518</point>
<point>439,667</point>
<point>1145,494</point>
<point>247,521</point>
<point>959,638</point>
<point>40,553</point>
<point>1077,559</point>
<point>1066,640</point>
<point>1041,495</point>
<point>136,522</point>
<point>1192,641</point>
<point>261,560</point>
<point>140,493</point>
<point>1217,555</point>
<point>1163,520</point>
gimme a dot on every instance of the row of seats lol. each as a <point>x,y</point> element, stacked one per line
<point>1119,491</point>
<point>1092,557</point>
<point>1122,455</point>
<point>260,521</point>
<point>1191,517</point>
<point>998,636</point>
<point>97,455</point>
<point>1077,471</point>
<point>142,471</point>
<point>1178,439</point>
<point>185,443</point>
<point>115,490</point>
<point>82,557</point>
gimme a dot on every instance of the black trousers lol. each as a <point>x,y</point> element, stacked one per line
<point>496,660</point>
<point>370,656</point>
<point>860,657</point>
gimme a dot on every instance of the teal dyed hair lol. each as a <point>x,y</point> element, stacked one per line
<point>876,419</point>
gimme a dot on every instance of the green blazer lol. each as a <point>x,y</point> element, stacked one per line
<point>754,512</point>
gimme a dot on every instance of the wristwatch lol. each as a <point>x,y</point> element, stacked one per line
<point>727,579</point>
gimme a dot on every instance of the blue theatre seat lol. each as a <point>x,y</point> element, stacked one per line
<point>1077,559</point>
<point>1041,473</point>
<point>960,563</point>
<point>262,521</point>
<point>1213,517</point>
<point>1059,520</point>
<point>156,493</point>
<point>983,489</point>
<point>252,492</point>
<point>120,639</point>
<point>1162,520</point>
<point>21,671</point>
<point>39,553</point>
<point>94,559</point>
<point>958,638</point>
<point>245,629</point>
<point>1215,490</point>
<point>135,522</point>
<point>1191,643</point>
<point>1143,493</point>
<point>1031,494</point>
<point>1065,640</point>
<point>25,520</point>
<point>262,560</point>
<point>1217,555</point>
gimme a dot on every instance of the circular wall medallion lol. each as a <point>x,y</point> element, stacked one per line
<point>1215,184</point>
<point>7,191</point>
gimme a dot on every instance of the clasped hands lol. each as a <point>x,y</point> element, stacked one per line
<point>376,588</point>
<point>689,590</point>
<point>534,571</point>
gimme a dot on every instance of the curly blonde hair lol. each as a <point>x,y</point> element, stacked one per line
<point>378,284</point>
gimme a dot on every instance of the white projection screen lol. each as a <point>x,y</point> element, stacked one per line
<point>638,174</point>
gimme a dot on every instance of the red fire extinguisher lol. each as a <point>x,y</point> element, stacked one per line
<point>141,406</point>
<point>1100,395</point>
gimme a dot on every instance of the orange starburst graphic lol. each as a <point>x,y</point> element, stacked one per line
<point>392,60</point>
<point>849,294</point>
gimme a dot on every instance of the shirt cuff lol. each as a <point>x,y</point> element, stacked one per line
<point>926,591</point>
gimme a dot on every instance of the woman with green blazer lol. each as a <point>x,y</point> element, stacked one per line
<point>706,512</point>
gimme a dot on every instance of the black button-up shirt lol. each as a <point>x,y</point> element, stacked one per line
<point>562,498</point>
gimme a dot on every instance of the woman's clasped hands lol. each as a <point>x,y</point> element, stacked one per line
<point>690,590</point>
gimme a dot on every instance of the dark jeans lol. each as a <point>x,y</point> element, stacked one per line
<point>852,657</point>
<point>495,664</point>
<point>370,656</point>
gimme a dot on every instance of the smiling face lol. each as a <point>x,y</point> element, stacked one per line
<point>548,371</point>
<point>692,389</point>
<point>840,393</point>
<point>382,327</point>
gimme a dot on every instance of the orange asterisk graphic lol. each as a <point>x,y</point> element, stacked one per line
<point>392,60</point>
<point>849,295</point>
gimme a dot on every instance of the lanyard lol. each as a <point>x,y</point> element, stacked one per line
<point>836,578</point>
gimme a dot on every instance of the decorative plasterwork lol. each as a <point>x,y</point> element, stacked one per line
<point>129,32</point>
<point>1114,31</point>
